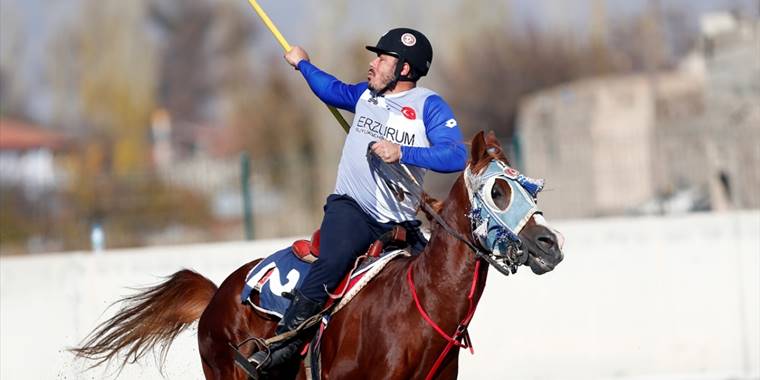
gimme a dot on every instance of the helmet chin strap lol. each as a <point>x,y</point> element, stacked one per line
<point>392,84</point>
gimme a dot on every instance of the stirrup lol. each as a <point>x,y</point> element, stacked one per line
<point>260,358</point>
<point>242,362</point>
<point>276,355</point>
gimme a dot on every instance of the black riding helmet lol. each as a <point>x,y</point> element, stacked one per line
<point>408,45</point>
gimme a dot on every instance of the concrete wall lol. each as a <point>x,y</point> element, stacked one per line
<point>640,298</point>
<point>592,139</point>
<point>621,139</point>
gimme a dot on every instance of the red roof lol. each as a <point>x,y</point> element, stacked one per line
<point>17,135</point>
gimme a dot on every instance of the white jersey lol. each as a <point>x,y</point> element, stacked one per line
<point>393,118</point>
<point>418,119</point>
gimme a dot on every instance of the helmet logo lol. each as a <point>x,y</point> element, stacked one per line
<point>409,113</point>
<point>408,39</point>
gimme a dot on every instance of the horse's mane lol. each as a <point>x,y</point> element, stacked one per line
<point>491,150</point>
<point>434,204</point>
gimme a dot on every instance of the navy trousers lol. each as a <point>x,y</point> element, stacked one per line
<point>345,234</point>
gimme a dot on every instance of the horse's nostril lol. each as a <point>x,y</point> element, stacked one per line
<point>547,242</point>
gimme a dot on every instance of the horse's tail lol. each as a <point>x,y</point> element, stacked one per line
<point>154,315</point>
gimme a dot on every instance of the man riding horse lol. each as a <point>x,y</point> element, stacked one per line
<point>404,124</point>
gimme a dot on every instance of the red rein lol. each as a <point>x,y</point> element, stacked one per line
<point>460,333</point>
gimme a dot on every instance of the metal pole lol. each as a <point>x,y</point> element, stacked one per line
<point>245,176</point>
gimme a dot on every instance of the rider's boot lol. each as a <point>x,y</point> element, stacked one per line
<point>301,309</point>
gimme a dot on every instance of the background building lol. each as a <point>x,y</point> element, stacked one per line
<point>668,141</point>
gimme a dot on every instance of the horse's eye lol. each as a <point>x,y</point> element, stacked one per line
<point>500,194</point>
<point>495,192</point>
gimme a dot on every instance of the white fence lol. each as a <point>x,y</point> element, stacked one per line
<point>674,297</point>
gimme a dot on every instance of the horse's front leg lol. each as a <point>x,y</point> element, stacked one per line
<point>449,371</point>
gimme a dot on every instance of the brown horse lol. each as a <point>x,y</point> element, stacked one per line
<point>381,334</point>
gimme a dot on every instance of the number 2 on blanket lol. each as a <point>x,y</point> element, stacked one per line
<point>276,285</point>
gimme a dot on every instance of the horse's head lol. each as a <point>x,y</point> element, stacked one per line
<point>506,222</point>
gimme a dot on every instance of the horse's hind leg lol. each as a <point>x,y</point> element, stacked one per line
<point>228,321</point>
<point>221,367</point>
<point>211,373</point>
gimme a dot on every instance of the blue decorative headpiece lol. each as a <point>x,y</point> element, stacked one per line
<point>497,229</point>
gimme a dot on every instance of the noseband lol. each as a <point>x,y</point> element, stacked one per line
<point>494,231</point>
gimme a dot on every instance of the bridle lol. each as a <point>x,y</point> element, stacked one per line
<point>490,229</point>
<point>478,251</point>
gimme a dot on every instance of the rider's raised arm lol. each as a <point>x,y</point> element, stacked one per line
<point>446,153</point>
<point>329,89</point>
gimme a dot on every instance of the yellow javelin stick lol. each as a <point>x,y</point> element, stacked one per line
<point>286,46</point>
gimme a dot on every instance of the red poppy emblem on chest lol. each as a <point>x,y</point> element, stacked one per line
<point>511,173</point>
<point>409,113</point>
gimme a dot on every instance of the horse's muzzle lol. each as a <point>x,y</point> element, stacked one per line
<point>544,248</point>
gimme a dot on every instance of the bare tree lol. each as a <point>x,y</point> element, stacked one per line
<point>11,53</point>
<point>486,84</point>
<point>105,70</point>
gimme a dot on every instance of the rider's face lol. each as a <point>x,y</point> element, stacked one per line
<point>381,70</point>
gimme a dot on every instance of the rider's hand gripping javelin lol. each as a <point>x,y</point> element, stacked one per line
<point>286,46</point>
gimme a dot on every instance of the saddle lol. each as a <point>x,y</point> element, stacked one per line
<point>274,297</point>
<point>308,250</point>
<point>275,277</point>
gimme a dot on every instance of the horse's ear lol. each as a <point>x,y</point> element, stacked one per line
<point>491,139</point>
<point>477,147</point>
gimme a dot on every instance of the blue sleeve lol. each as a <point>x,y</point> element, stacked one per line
<point>446,153</point>
<point>329,89</point>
